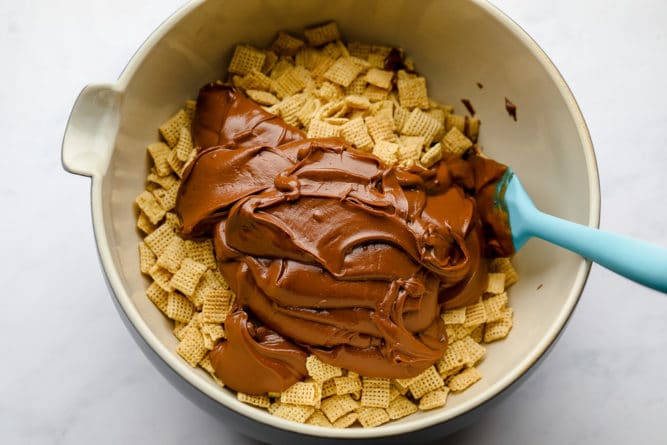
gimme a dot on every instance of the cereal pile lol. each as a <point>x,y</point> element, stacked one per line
<point>371,96</point>
<point>329,89</point>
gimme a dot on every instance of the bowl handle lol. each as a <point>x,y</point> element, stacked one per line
<point>91,130</point>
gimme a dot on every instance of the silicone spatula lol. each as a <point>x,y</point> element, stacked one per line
<point>637,260</point>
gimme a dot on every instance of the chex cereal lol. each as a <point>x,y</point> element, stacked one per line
<point>375,392</point>
<point>369,417</point>
<point>325,87</point>
<point>428,380</point>
<point>434,399</point>
<point>319,419</point>
<point>319,35</point>
<point>400,407</point>
<point>302,393</point>
<point>285,44</point>
<point>321,371</point>
<point>245,59</point>
<point>412,93</point>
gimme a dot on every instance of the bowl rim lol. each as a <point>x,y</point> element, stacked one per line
<point>204,386</point>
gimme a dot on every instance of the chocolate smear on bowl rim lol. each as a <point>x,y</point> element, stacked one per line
<point>468,106</point>
<point>510,108</point>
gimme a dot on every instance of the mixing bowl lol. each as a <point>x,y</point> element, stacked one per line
<point>456,44</point>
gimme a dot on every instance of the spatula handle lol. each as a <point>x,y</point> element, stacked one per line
<point>635,259</point>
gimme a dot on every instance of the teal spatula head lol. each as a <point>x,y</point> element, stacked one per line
<point>637,260</point>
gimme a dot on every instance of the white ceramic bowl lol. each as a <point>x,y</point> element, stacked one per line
<point>455,43</point>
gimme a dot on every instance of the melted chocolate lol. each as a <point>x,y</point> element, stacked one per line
<point>268,359</point>
<point>333,252</point>
<point>395,60</point>
<point>224,117</point>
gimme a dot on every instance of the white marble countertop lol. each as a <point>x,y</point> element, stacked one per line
<point>603,383</point>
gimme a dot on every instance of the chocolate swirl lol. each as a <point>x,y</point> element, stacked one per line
<point>332,252</point>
